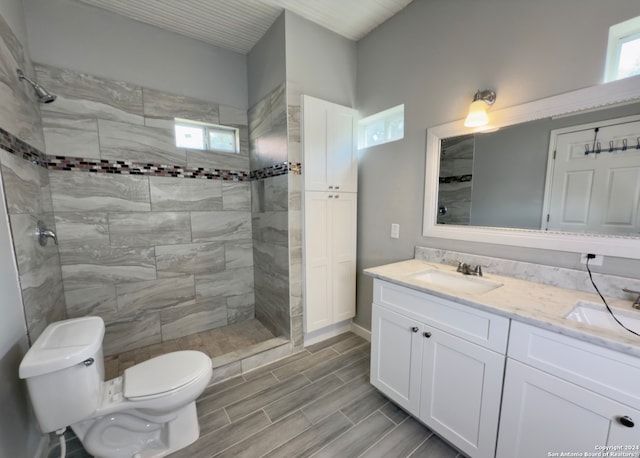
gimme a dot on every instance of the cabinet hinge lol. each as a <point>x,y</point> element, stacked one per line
<point>554,155</point>
<point>547,217</point>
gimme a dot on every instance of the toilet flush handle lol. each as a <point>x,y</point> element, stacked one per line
<point>88,361</point>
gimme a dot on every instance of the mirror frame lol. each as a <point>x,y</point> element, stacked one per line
<point>616,92</point>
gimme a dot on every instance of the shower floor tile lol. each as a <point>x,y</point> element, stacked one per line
<point>215,342</point>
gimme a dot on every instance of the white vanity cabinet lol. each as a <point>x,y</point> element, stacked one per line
<point>441,361</point>
<point>566,395</point>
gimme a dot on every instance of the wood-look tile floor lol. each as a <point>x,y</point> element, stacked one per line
<point>314,403</point>
<point>317,402</point>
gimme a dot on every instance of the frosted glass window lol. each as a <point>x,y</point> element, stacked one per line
<point>189,137</point>
<point>201,136</point>
<point>222,140</point>
<point>623,50</point>
<point>383,127</point>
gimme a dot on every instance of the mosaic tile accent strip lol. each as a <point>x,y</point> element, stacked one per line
<point>14,145</point>
<point>456,179</point>
<point>279,169</point>
<point>80,164</point>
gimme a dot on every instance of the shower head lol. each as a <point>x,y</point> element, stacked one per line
<point>43,95</point>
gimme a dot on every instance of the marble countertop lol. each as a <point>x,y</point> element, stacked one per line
<point>529,302</point>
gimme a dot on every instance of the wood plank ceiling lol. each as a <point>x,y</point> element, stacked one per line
<point>238,24</point>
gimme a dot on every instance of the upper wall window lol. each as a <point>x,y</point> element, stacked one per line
<point>198,135</point>
<point>384,127</point>
<point>623,51</point>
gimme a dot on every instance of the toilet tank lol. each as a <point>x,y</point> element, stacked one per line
<point>64,370</point>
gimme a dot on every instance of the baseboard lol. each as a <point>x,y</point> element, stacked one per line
<point>360,331</point>
<point>325,333</point>
<point>43,447</point>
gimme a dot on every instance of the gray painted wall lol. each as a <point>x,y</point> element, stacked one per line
<point>319,62</point>
<point>432,57</point>
<point>79,37</point>
<point>266,62</point>
<point>18,435</point>
<point>13,14</point>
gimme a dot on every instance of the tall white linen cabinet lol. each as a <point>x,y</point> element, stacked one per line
<point>330,170</point>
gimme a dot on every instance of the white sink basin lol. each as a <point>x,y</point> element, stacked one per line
<point>597,315</point>
<point>456,282</point>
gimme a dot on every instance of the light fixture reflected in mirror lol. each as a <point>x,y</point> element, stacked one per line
<point>478,110</point>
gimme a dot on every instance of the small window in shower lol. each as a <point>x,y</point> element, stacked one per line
<point>202,136</point>
<point>623,51</point>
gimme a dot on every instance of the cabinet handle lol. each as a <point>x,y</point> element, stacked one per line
<point>330,187</point>
<point>626,421</point>
<point>426,334</point>
<point>337,187</point>
<point>337,196</point>
<point>415,329</point>
<point>330,196</point>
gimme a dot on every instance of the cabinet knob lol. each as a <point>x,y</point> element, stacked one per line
<point>415,329</point>
<point>426,334</point>
<point>626,421</point>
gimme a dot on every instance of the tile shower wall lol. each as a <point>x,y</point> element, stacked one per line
<point>26,199</point>
<point>156,254</point>
<point>294,97</point>
<point>268,148</point>
<point>456,169</point>
<point>26,183</point>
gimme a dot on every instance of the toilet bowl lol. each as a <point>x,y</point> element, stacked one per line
<point>147,412</point>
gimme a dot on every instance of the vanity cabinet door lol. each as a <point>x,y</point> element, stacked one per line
<point>461,391</point>
<point>396,353</point>
<point>543,414</point>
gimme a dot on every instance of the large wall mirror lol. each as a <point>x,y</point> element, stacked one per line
<point>504,186</point>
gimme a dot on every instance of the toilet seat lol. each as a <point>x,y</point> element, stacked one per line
<point>164,374</point>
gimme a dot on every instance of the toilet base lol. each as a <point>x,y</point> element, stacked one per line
<point>133,434</point>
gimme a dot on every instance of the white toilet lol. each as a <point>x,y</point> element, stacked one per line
<point>150,411</point>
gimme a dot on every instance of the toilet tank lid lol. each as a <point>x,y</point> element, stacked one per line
<point>63,344</point>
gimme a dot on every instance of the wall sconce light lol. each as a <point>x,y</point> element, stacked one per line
<point>478,110</point>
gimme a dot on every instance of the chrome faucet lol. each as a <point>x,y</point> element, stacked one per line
<point>466,269</point>
<point>636,304</point>
<point>42,233</point>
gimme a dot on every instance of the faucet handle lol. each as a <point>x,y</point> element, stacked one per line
<point>462,266</point>
<point>478,270</point>
<point>636,303</point>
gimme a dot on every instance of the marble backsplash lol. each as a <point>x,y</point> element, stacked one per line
<point>609,285</point>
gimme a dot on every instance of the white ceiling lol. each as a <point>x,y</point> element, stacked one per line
<point>238,24</point>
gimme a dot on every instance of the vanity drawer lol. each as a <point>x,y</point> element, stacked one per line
<point>482,328</point>
<point>605,371</point>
